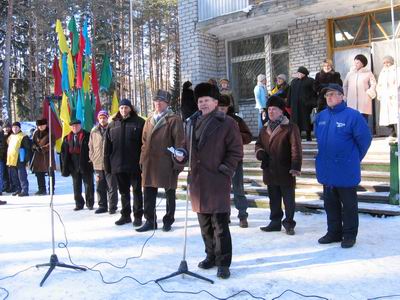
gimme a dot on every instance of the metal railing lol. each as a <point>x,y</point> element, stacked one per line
<point>209,9</point>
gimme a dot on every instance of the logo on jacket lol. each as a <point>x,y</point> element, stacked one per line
<point>338,124</point>
<point>322,123</point>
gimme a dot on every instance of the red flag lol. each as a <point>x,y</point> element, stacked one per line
<point>95,87</point>
<point>56,128</point>
<point>78,72</point>
<point>81,43</point>
<point>57,77</point>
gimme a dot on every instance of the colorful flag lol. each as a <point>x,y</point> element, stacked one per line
<point>79,113</point>
<point>65,116</point>
<point>71,70</point>
<point>74,36</point>
<point>65,80</point>
<point>95,87</point>
<point>62,43</point>
<point>114,104</point>
<point>56,128</point>
<point>57,77</point>
<point>86,82</point>
<point>79,80</point>
<point>89,115</point>
<point>88,50</point>
<point>106,74</point>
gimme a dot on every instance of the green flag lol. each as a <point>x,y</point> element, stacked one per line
<point>89,113</point>
<point>75,36</point>
<point>106,74</point>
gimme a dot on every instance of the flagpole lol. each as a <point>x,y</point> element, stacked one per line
<point>133,54</point>
<point>396,94</point>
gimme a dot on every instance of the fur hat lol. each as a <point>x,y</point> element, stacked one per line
<point>277,102</point>
<point>303,70</point>
<point>186,85</point>
<point>205,89</point>
<point>74,122</point>
<point>16,124</point>
<point>162,95</point>
<point>41,122</point>
<point>224,100</point>
<point>261,77</point>
<point>282,76</point>
<point>125,102</point>
<point>362,59</point>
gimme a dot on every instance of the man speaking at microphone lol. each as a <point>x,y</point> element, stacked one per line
<point>216,150</point>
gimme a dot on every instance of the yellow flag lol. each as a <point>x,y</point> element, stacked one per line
<point>86,83</point>
<point>71,70</point>
<point>114,104</point>
<point>65,116</point>
<point>62,43</point>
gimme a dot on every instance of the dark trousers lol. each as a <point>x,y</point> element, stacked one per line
<point>239,197</point>
<point>87,178</point>
<point>276,193</point>
<point>150,198</point>
<point>216,237</point>
<point>125,180</point>
<point>41,181</point>
<point>106,190</point>
<point>6,179</point>
<point>19,178</point>
<point>341,208</point>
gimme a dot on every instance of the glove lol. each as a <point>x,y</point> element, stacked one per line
<point>264,157</point>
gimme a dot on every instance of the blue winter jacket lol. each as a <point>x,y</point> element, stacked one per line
<point>343,139</point>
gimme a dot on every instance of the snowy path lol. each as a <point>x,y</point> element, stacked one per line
<point>266,264</point>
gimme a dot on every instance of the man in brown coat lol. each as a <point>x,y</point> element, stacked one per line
<point>279,148</point>
<point>40,161</point>
<point>163,129</point>
<point>216,150</point>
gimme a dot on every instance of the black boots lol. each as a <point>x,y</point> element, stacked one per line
<point>123,220</point>
<point>328,239</point>
<point>147,227</point>
<point>223,272</point>
<point>271,227</point>
<point>207,263</point>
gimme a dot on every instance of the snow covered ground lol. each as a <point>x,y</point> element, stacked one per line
<point>265,264</point>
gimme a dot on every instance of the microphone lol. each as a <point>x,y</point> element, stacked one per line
<point>194,116</point>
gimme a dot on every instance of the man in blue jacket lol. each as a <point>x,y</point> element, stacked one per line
<point>343,139</point>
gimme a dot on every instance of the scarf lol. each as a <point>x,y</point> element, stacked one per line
<point>75,148</point>
<point>202,122</point>
<point>274,124</point>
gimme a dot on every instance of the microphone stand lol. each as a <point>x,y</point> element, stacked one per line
<point>183,267</point>
<point>54,262</point>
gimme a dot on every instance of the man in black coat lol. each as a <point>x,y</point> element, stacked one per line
<point>75,162</point>
<point>121,157</point>
<point>302,99</point>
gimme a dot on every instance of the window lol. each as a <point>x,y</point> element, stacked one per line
<point>365,28</point>
<point>247,60</point>
<point>279,55</point>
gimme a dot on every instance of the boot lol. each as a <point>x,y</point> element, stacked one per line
<point>147,227</point>
<point>207,263</point>
<point>123,220</point>
<point>328,239</point>
<point>3,202</point>
<point>271,227</point>
<point>100,210</point>
<point>137,222</point>
<point>348,242</point>
<point>243,223</point>
<point>223,272</point>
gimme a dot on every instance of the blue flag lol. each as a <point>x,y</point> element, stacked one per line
<point>64,80</point>
<point>88,50</point>
<point>80,114</point>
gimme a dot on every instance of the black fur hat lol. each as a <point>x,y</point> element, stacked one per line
<point>205,89</point>
<point>41,122</point>
<point>277,102</point>
<point>303,70</point>
<point>362,58</point>
<point>224,100</point>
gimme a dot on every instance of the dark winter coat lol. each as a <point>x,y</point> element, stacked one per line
<point>188,103</point>
<point>243,128</point>
<point>3,146</point>
<point>283,147</point>
<point>123,144</point>
<point>215,156</point>
<point>158,167</point>
<point>41,148</point>
<point>67,158</point>
<point>302,99</point>
<point>322,80</point>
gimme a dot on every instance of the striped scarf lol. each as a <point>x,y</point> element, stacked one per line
<point>276,123</point>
